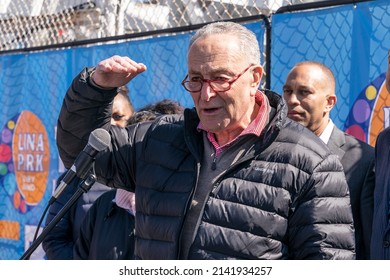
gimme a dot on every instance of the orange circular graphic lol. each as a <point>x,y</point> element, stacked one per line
<point>370,112</point>
<point>380,114</point>
<point>31,157</point>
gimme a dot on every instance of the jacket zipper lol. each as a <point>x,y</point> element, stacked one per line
<point>214,164</point>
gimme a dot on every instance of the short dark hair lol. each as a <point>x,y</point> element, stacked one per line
<point>165,106</point>
<point>152,111</point>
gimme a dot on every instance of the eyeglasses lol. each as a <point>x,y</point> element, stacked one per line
<point>219,85</point>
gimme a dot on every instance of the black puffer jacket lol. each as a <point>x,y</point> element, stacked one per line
<point>287,198</point>
<point>107,232</point>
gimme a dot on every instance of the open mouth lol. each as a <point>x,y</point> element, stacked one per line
<point>210,111</point>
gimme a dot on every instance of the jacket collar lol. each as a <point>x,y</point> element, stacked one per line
<point>336,142</point>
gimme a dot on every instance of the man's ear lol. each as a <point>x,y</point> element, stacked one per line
<point>331,101</point>
<point>257,73</point>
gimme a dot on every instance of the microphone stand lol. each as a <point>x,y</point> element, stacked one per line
<point>84,187</point>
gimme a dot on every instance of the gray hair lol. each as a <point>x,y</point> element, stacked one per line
<point>247,39</point>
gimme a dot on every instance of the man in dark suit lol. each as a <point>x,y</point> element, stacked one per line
<point>309,91</point>
<point>380,241</point>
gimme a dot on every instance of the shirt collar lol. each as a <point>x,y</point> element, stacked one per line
<point>325,135</point>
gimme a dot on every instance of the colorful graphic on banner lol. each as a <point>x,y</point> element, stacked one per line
<point>24,168</point>
<point>370,113</point>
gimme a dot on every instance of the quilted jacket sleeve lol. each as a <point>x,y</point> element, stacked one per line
<point>84,109</point>
<point>321,226</point>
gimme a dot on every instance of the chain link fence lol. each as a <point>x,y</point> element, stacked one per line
<point>38,23</point>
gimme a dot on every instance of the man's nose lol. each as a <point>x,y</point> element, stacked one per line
<point>207,92</point>
<point>292,99</point>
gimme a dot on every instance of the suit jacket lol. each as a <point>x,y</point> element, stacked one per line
<point>358,160</point>
<point>380,241</point>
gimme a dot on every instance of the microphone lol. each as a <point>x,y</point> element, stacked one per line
<point>99,139</point>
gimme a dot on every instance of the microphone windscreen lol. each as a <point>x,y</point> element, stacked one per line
<point>99,139</point>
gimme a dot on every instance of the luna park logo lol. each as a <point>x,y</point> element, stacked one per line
<point>370,113</point>
<point>24,160</point>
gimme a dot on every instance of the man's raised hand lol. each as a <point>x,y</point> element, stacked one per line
<point>116,71</point>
